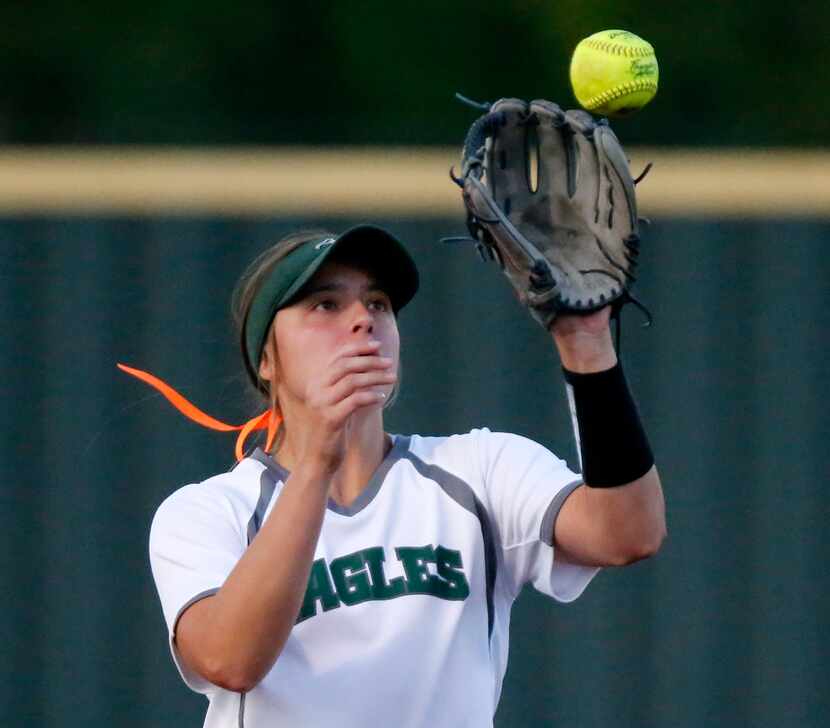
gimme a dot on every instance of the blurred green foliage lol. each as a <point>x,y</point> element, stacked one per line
<point>373,72</point>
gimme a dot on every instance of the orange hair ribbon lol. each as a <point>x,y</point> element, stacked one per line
<point>269,419</point>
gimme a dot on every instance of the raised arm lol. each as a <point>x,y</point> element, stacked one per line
<point>233,638</point>
<point>620,517</point>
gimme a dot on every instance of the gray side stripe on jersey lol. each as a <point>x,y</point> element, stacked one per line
<point>267,485</point>
<point>242,710</point>
<point>465,496</point>
<point>552,511</point>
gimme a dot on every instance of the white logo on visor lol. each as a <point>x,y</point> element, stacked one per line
<point>324,243</point>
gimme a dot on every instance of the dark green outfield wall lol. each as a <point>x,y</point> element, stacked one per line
<point>726,627</point>
<point>739,73</point>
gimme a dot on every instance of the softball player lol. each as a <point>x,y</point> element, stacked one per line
<point>342,575</point>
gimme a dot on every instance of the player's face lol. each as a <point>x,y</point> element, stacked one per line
<point>342,305</point>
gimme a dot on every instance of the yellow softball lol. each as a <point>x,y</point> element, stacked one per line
<point>614,73</point>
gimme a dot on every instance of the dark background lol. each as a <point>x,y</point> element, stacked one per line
<point>374,72</point>
<point>726,627</point>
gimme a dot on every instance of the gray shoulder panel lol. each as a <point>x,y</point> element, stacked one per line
<point>451,484</point>
<point>261,457</point>
<point>552,511</point>
<point>465,496</point>
<point>267,485</point>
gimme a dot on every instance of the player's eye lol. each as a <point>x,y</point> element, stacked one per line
<point>326,304</point>
<point>379,303</point>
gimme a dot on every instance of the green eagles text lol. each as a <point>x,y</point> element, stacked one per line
<point>361,577</point>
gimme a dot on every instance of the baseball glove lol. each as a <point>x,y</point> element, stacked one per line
<point>569,241</point>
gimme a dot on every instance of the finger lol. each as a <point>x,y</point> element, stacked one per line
<point>368,347</point>
<point>589,172</point>
<point>357,400</point>
<point>357,364</point>
<point>612,157</point>
<point>359,381</point>
<point>371,347</point>
<point>365,362</point>
<point>333,418</point>
<point>508,156</point>
<point>557,152</point>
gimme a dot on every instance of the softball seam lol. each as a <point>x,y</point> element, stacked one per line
<point>620,50</point>
<point>617,91</point>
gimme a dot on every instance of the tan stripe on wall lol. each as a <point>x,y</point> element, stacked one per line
<point>377,182</point>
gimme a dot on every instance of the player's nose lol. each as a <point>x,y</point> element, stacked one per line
<point>363,321</point>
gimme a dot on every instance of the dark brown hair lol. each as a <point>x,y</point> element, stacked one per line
<point>249,285</point>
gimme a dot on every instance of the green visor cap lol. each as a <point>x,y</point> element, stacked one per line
<point>365,246</point>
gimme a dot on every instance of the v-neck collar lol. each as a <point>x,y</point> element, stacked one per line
<point>400,445</point>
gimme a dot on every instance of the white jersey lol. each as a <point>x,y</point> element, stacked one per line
<point>405,618</point>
